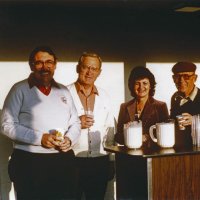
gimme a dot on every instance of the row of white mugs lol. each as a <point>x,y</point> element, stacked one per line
<point>165,133</point>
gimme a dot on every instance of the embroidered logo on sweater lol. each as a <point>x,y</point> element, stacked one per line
<point>64,100</point>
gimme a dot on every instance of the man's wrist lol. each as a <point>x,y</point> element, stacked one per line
<point>70,142</point>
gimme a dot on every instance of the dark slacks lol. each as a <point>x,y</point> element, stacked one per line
<point>43,176</point>
<point>93,177</point>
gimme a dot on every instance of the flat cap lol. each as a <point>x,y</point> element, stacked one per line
<point>184,67</point>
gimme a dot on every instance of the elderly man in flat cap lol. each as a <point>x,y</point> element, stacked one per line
<point>184,102</point>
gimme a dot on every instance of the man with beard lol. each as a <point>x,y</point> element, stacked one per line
<point>42,163</point>
<point>185,102</point>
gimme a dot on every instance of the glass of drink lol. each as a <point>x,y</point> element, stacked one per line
<point>196,130</point>
<point>89,113</point>
<point>180,120</point>
<point>60,132</point>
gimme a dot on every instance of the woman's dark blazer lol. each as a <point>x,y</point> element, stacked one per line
<point>154,112</point>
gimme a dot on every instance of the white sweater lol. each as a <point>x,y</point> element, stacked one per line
<point>28,114</point>
<point>90,143</point>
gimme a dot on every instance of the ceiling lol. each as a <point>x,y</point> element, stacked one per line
<point>114,8</point>
<point>137,5</point>
<point>115,25</point>
<point>142,9</point>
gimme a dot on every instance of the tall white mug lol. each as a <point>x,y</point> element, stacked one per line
<point>133,134</point>
<point>165,134</point>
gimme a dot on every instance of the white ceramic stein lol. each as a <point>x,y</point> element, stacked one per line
<point>133,134</point>
<point>165,134</point>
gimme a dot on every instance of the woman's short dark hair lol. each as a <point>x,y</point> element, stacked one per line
<point>138,73</point>
<point>43,49</point>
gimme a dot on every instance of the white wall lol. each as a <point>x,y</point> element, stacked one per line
<point>111,78</point>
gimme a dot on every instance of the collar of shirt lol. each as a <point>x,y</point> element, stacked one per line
<point>193,94</point>
<point>80,88</point>
<point>44,90</point>
<point>32,81</point>
<point>190,97</point>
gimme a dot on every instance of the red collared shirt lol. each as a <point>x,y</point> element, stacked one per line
<point>44,90</point>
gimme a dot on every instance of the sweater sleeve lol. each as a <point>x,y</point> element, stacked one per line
<point>74,128</point>
<point>10,124</point>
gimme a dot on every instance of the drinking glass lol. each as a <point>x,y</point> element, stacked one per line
<point>196,130</point>
<point>180,122</point>
<point>89,113</point>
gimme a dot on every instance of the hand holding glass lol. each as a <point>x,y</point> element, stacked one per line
<point>180,120</point>
<point>89,118</point>
<point>89,113</point>
<point>60,132</point>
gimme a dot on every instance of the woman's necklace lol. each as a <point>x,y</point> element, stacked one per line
<point>140,107</point>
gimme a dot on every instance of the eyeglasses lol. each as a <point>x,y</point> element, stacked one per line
<point>48,63</point>
<point>184,76</point>
<point>93,69</point>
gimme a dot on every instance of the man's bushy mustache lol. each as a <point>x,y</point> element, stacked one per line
<point>44,71</point>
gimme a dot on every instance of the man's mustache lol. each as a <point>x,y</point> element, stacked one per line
<point>44,72</point>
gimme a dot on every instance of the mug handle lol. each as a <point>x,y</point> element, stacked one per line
<point>151,133</point>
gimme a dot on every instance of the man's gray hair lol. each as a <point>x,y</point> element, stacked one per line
<point>89,54</point>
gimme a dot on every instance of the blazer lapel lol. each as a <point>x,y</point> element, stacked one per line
<point>148,109</point>
<point>131,110</point>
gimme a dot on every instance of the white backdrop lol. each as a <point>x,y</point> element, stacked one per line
<point>111,78</point>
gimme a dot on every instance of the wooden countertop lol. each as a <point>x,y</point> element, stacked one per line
<point>149,152</point>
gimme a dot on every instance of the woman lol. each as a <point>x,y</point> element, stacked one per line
<point>143,106</point>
